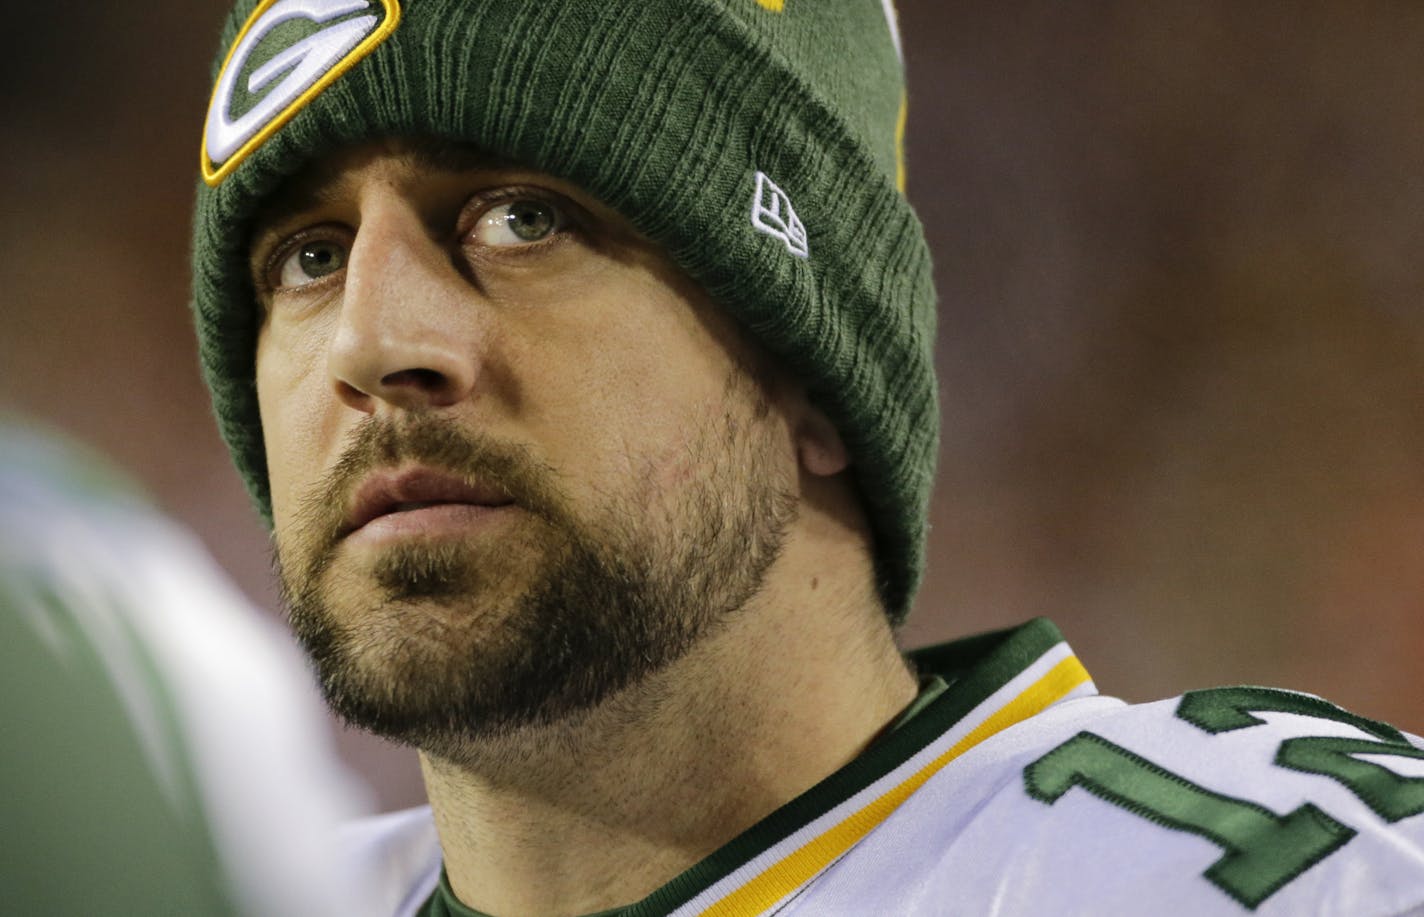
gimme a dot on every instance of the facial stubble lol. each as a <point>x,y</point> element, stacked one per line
<point>439,644</point>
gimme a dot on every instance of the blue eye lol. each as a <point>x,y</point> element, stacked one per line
<point>310,261</point>
<point>519,222</point>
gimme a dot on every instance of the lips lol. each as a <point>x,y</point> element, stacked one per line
<point>388,492</point>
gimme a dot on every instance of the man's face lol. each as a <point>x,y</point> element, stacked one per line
<point>518,462</point>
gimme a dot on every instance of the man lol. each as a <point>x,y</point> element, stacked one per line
<point>579,355</point>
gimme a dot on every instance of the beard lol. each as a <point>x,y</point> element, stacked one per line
<point>439,644</point>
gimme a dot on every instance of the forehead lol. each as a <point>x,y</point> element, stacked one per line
<point>419,155</point>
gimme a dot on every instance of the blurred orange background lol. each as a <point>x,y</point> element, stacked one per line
<point>1181,338</point>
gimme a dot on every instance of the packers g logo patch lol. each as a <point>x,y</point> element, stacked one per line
<point>286,53</point>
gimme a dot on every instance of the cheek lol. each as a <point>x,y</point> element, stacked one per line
<point>649,384</point>
<point>664,421</point>
<point>294,411</point>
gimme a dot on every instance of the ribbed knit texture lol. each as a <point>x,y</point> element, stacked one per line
<point>665,111</point>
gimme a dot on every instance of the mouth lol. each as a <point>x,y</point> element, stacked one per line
<point>397,498</point>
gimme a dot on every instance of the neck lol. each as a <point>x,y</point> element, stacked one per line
<point>601,810</point>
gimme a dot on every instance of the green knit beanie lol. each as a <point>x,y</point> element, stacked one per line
<point>758,142</point>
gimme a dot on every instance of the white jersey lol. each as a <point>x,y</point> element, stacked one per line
<point>1021,791</point>
<point>162,748</point>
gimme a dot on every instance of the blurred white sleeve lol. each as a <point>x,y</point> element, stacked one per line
<point>218,696</point>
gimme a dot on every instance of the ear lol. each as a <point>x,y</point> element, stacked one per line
<point>818,444</point>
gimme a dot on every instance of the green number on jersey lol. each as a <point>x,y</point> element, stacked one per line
<point>1263,850</point>
<point>1390,795</point>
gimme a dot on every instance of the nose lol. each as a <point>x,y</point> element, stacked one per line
<point>407,335</point>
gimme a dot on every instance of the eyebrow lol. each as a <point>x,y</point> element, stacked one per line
<point>309,189</point>
<point>449,156</point>
<point>293,197</point>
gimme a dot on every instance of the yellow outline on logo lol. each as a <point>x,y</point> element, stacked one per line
<point>900,121</point>
<point>368,44</point>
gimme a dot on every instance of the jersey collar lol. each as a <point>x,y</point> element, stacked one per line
<point>995,680</point>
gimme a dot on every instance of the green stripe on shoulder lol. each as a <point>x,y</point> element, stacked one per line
<point>98,827</point>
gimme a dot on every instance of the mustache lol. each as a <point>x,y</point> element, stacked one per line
<point>426,439</point>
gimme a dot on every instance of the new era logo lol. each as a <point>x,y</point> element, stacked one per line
<point>772,214</point>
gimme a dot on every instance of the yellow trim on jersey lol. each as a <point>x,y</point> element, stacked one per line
<point>368,44</point>
<point>800,866</point>
<point>775,6</point>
